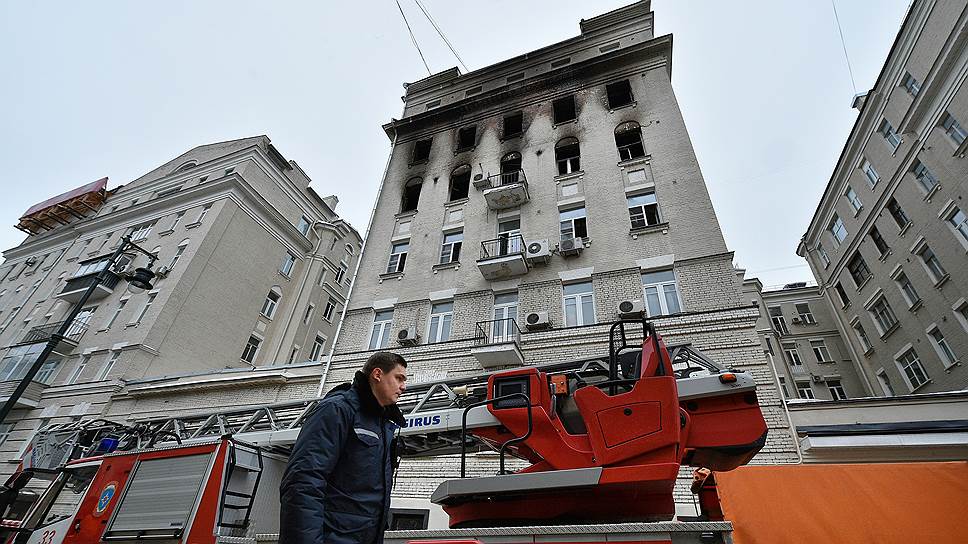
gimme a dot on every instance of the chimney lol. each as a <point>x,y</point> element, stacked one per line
<point>331,201</point>
<point>858,102</point>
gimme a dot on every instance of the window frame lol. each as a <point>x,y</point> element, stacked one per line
<point>399,265</point>
<point>574,223</point>
<point>440,323</point>
<point>942,347</point>
<point>451,249</point>
<point>288,264</point>
<point>870,173</point>
<point>910,368</point>
<point>318,347</point>
<point>661,293</point>
<point>836,389</point>
<point>329,309</point>
<point>956,133</point>
<point>643,209</point>
<point>579,299</point>
<point>571,163</point>
<point>380,330</point>
<point>255,348</point>
<point>851,195</point>
<point>891,137</point>
<point>462,134</point>
<point>804,390</point>
<point>556,110</point>
<point>627,151</point>
<point>626,89</point>
<point>879,315</point>
<point>820,350</point>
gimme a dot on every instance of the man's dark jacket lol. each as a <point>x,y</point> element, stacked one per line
<point>336,489</point>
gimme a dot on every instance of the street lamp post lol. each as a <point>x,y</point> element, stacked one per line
<point>140,281</point>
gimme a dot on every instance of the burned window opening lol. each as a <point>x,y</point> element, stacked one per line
<point>421,151</point>
<point>628,140</point>
<point>411,195</point>
<point>619,94</point>
<point>466,138</point>
<point>460,181</point>
<point>567,156</point>
<point>564,109</point>
<point>513,125</point>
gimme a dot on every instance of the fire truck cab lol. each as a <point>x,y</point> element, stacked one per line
<point>198,493</point>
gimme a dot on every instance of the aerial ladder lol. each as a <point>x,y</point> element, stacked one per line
<point>602,441</point>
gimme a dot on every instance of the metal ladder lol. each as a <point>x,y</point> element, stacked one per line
<point>240,502</point>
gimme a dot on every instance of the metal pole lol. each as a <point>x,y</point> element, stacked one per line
<point>61,332</point>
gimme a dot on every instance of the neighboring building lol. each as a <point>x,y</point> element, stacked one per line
<point>253,267</point>
<point>523,202</point>
<point>800,336</point>
<point>887,242</point>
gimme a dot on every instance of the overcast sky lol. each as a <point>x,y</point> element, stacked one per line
<point>94,89</point>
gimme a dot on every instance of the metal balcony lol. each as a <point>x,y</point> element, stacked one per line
<point>65,344</point>
<point>497,343</point>
<point>506,190</point>
<point>77,285</point>
<point>503,257</point>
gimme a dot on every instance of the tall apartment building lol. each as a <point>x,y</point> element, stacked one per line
<point>253,270</point>
<point>523,202</point>
<point>800,337</point>
<point>888,240</point>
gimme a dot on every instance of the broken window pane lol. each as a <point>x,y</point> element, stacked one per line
<point>513,124</point>
<point>411,195</point>
<point>466,138</point>
<point>564,109</point>
<point>421,151</point>
<point>460,180</point>
<point>628,139</point>
<point>619,94</point>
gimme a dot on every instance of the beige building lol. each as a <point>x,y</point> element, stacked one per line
<point>523,202</point>
<point>253,270</point>
<point>888,240</point>
<point>800,337</point>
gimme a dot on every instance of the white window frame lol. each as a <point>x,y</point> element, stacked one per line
<point>48,371</point>
<point>139,232</point>
<point>397,261</point>
<point>806,317</point>
<point>890,136</point>
<point>936,275</point>
<point>152,295</point>
<point>875,315</point>
<point>269,306</point>
<point>380,331</point>
<point>910,294</point>
<point>861,334</point>
<point>870,173</point>
<point>340,273</point>
<point>941,346</point>
<point>441,322</point>
<point>836,227</point>
<point>288,264</point>
<point>576,221</point>
<point>202,214</point>
<point>791,352</point>
<point>178,253</point>
<point>109,364</point>
<point>820,352</point>
<point>501,312</point>
<point>851,195</point>
<point>804,390</point>
<point>885,382</point>
<point>912,85</point>
<point>308,316</point>
<point>960,309</point>
<point>79,369</point>
<point>957,221</point>
<point>778,321</point>
<point>117,311</point>
<point>836,389</point>
<point>450,247</point>
<point>255,353</point>
<point>322,276</point>
<point>329,310</point>
<point>319,345</point>
<point>579,299</point>
<point>954,130</point>
<point>638,209</point>
<point>914,364</point>
<point>662,293</point>
<point>823,255</point>
<point>303,226</point>
<point>927,181</point>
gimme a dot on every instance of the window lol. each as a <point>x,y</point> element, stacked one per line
<point>644,210</point>
<point>251,348</point>
<point>398,257</point>
<point>460,182</point>
<point>104,242</point>
<point>953,129</point>
<point>836,390</point>
<point>380,334</point>
<point>883,316</point>
<point>804,391</point>
<point>619,94</point>
<point>804,313</point>
<point>563,109</point>
<point>783,387</point>
<point>779,322</point>
<point>421,151</point>
<point>912,85</point>
<point>907,289</point>
<point>144,309</point>
<point>945,353</point>
<point>661,293</point>
<point>961,312</point>
<point>329,309</point>
<point>879,243</point>
<point>319,344</point>
<point>572,223</point>
<point>441,315</point>
<point>288,262</point>
<point>820,351</point>
<point>466,138</point>
<point>5,430</point>
<point>567,156</point>
<point>853,199</point>
<point>203,213</point>
<point>89,267</point>
<point>341,273</point>
<point>792,354</point>
<point>858,269</point>
<point>842,294</point>
<point>117,312</point>
<point>411,195</point>
<point>47,372</point>
<point>140,232</point>
<point>862,336</point>
<point>911,369</point>
<point>303,226</point>
<point>837,229</point>
<point>872,176</point>
<point>926,180</point>
<point>511,168</point>
<point>309,313</point>
<point>891,137</point>
<point>885,383</point>
<point>450,249</point>
<point>108,365</point>
<point>823,255</point>
<point>57,285</point>
<point>932,264</point>
<point>79,369</point>
<point>579,304</point>
<point>628,140</point>
<point>293,354</point>
<point>178,253</point>
<point>505,311</point>
<point>178,218</point>
<point>897,213</point>
<point>509,237</point>
<point>513,125</point>
<point>322,277</point>
<point>959,222</point>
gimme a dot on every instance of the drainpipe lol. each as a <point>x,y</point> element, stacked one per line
<point>302,289</point>
<point>349,294</point>
<point>786,409</point>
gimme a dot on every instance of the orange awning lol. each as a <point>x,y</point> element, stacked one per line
<point>863,503</point>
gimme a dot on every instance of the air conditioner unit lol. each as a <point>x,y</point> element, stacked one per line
<point>797,320</point>
<point>539,251</point>
<point>537,321</point>
<point>480,182</point>
<point>631,308</point>
<point>408,336</point>
<point>817,379</point>
<point>571,246</point>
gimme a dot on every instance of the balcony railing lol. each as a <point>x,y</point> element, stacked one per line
<point>507,178</point>
<point>502,246</point>
<point>497,331</point>
<point>799,370</point>
<point>76,286</point>
<point>43,333</point>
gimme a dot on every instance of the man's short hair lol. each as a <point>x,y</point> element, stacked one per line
<point>384,360</point>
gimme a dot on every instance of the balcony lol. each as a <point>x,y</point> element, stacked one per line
<point>65,344</point>
<point>798,370</point>
<point>30,398</point>
<point>503,257</point>
<point>77,285</point>
<point>497,343</point>
<point>13,368</point>
<point>506,190</point>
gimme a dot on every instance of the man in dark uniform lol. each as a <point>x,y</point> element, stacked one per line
<point>336,488</point>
